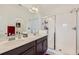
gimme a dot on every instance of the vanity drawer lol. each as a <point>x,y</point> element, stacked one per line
<point>30,51</point>
<point>20,49</point>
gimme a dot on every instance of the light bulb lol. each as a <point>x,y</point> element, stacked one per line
<point>33,10</point>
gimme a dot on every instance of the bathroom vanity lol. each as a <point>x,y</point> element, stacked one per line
<point>36,45</point>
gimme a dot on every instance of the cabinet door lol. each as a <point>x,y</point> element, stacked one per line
<point>45,45</point>
<point>41,45</point>
<point>39,48</point>
<point>30,51</point>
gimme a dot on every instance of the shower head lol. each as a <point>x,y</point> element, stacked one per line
<point>74,10</point>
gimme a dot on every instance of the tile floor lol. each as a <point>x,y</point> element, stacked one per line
<point>53,52</point>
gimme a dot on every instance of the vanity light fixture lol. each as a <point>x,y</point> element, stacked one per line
<point>33,10</point>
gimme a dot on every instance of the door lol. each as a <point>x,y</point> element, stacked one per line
<point>65,33</point>
<point>51,31</point>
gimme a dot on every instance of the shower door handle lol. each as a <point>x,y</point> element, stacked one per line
<point>54,40</point>
<point>74,28</point>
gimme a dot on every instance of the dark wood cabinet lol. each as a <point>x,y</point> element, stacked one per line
<point>41,45</point>
<point>30,51</point>
<point>45,46</point>
<point>20,50</point>
<point>37,47</point>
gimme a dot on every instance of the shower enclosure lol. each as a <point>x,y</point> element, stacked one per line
<point>63,31</point>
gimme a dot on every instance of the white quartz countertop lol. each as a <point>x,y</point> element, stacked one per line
<point>9,45</point>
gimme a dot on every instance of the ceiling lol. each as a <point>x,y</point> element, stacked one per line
<point>52,9</point>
